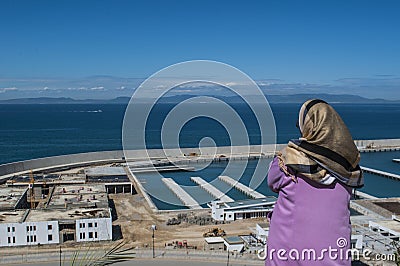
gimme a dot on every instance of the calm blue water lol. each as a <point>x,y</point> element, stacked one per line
<point>382,161</point>
<point>33,131</point>
<point>155,187</point>
<point>377,185</point>
<point>374,185</point>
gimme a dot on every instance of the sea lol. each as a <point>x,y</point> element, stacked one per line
<point>42,130</point>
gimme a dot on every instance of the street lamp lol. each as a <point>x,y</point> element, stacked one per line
<point>153,228</point>
<point>60,255</point>
<point>227,262</point>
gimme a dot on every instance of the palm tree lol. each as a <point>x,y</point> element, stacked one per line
<point>93,257</point>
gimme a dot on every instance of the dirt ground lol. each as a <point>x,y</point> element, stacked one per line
<point>136,218</point>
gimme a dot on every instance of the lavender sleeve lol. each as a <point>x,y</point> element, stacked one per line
<point>277,179</point>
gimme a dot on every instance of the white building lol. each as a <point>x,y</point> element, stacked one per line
<point>71,213</point>
<point>214,243</point>
<point>13,232</point>
<point>262,231</point>
<point>41,227</point>
<point>94,229</point>
<point>244,209</point>
<point>233,243</point>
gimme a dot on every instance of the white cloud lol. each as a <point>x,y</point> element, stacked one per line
<point>185,91</point>
<point>378,86</point>
<point>97,88</point>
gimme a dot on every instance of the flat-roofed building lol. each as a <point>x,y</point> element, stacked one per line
<point>77,213</point>
<point>15,231</point>
<point>77,196</point>
<point>10,223</point>
<point>243,209</point>
<point>114,177</point>
<point>80,225</point>
<point>233,243</point>
<point>106,173</point>
<point>83,189</point>
<point>214,243</point>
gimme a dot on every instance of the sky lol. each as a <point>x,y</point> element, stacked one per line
<point>105,49</point>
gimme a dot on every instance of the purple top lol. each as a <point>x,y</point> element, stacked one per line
<point>307,219</point>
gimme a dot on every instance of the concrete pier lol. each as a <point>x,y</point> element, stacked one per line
<point>381,173</point>
<point>377,145</point>
<point>181,194</point>
<point>364,195</point>
<point>211,189</point>
<point>139,187</point>
<point>162,169</point>
<point>383,149</point>
<point>239,186</point>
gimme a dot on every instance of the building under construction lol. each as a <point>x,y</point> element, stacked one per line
<point>53,208</point>
<point>69,213</point>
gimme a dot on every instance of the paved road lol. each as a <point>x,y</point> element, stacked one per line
<point>156,262</point>
<point>142,257</point>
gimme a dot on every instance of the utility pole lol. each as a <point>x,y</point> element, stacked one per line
<point>153,228</point>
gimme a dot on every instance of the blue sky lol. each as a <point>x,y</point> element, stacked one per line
<point>103,49</point>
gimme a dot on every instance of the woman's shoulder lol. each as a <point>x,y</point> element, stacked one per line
<point>277,177</point>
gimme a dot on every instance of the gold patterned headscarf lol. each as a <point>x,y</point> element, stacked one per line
<point>326,151</point>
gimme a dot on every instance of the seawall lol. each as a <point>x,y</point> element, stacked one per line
<point>100,157</point>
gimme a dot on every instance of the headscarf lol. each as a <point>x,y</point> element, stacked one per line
<point>326,151</point>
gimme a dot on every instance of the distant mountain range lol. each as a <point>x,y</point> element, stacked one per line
<point>65,100</point>
<point>295,98</point>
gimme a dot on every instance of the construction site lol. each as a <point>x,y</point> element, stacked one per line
<point>92,203</point>
<point>102,200</point>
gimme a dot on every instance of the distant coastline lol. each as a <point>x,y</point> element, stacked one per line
<point>294,98</point>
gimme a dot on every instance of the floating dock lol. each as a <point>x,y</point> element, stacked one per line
<point>239,186</point>
<point>211,189</point>
<point>381,173</point>
<point>181,194</point>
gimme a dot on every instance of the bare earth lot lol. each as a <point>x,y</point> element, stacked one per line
<point>136,218</point>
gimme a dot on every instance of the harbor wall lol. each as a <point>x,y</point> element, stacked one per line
<point>79,159</point>
<point>83,159</point>
<point>377,143</point>
<point>90,158</point>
